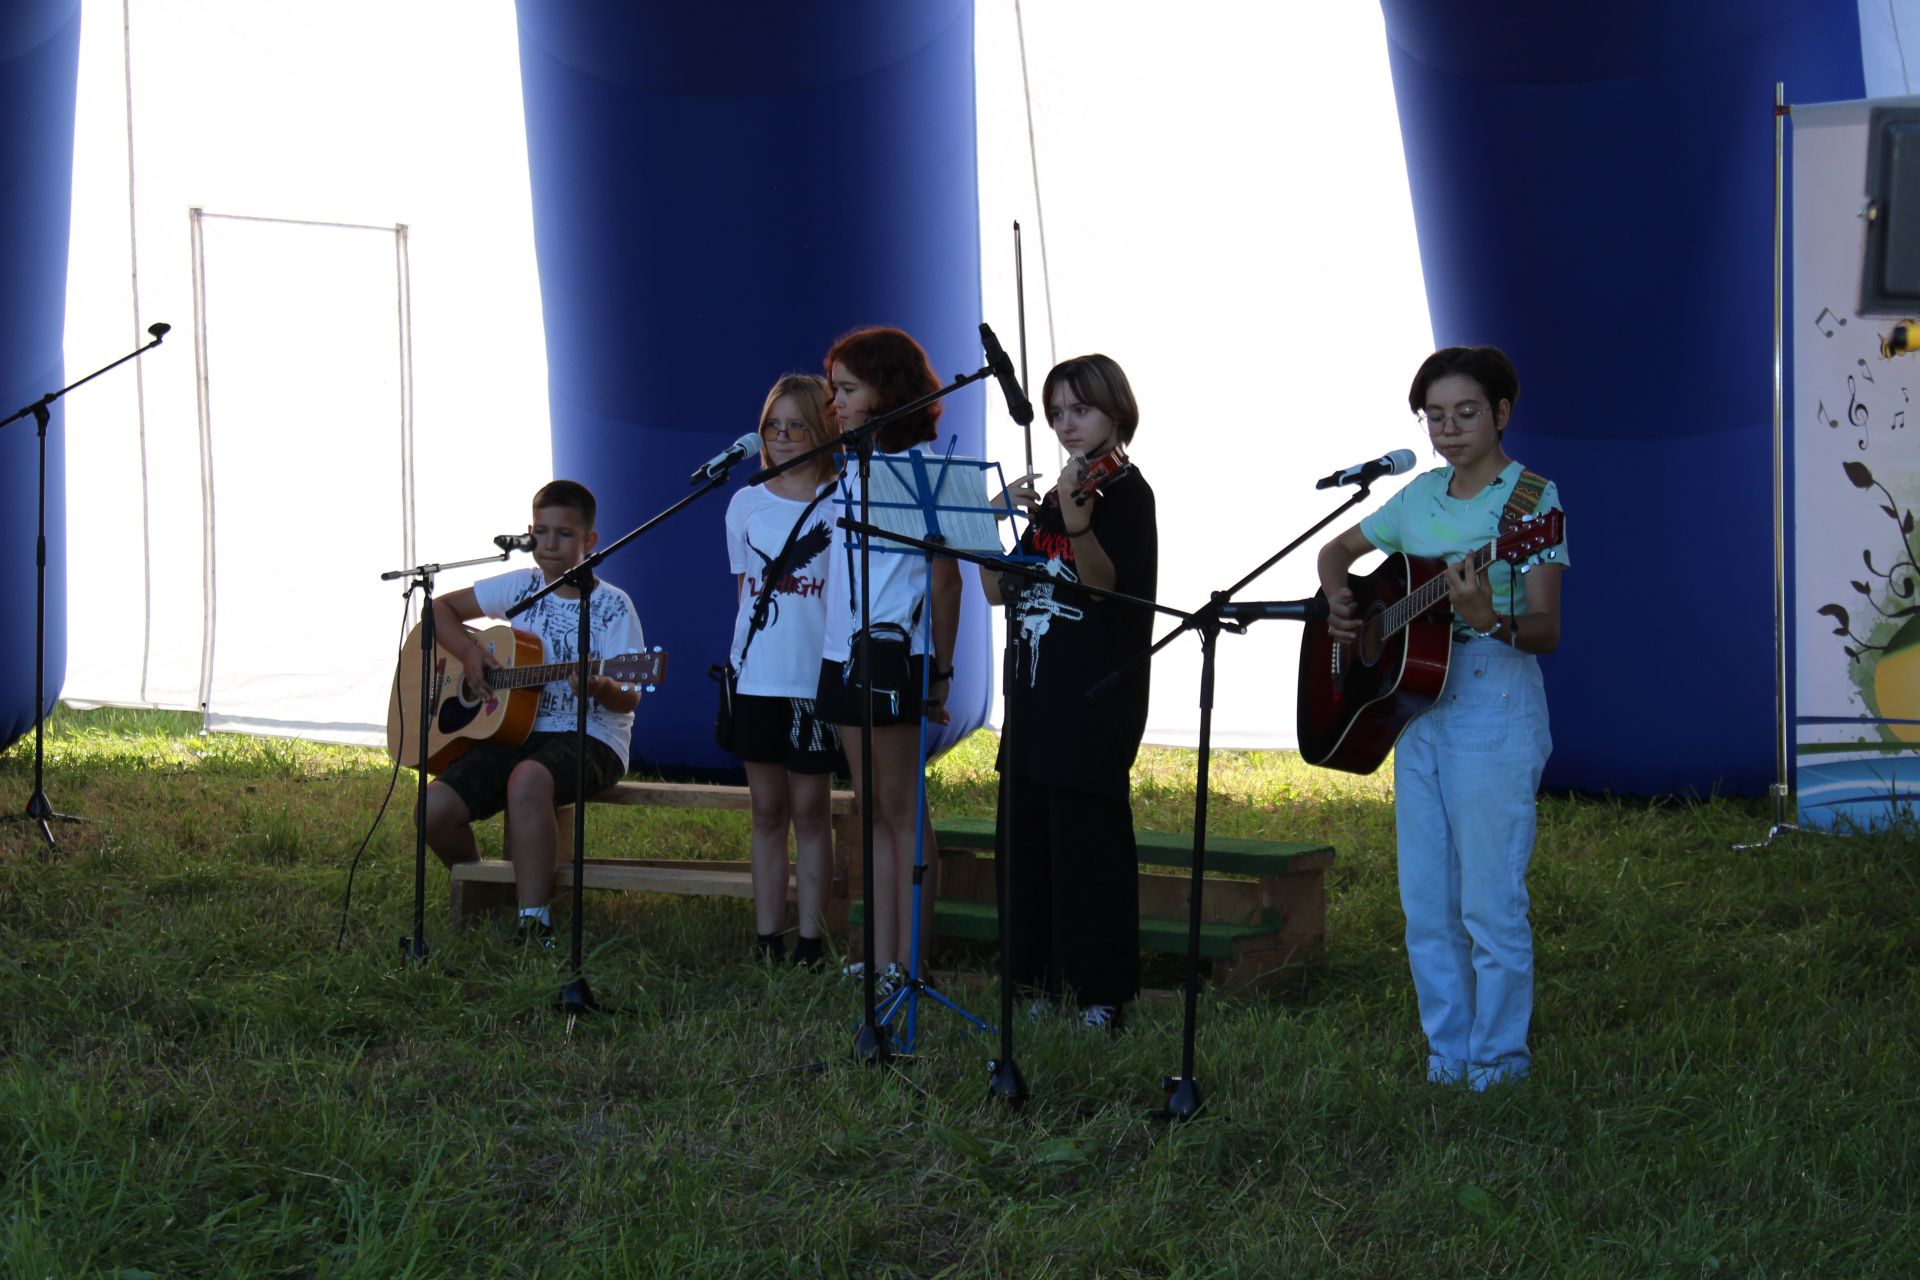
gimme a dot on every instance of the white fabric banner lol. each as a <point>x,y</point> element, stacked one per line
<point>262,592</point>
<point>1855,469</point>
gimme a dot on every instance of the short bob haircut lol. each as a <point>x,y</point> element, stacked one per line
<point>810,396</point>
<point>895,367</point>
<point>570,494</point>
<point>1487,366</point>
<point>1099,381</point>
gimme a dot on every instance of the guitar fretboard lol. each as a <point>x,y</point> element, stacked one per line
<point>1395,617</point>
<point>541,674</point>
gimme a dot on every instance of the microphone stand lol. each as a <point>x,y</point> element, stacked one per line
<point>1004,1078</point>
<point>871,1042</point>
<point>39,810</point>
<point>1183,1099</point>
<point>576,996</point>
<point>413,949</point>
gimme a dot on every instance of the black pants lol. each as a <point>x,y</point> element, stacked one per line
<point>1074,905</point>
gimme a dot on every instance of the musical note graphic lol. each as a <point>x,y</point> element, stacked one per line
<point>1857,413</point>
<point>1825,314</point>
<point>1864,371</point>
<point>1823,415</point>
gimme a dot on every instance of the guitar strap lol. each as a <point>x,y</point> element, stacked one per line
<point>1527,492</point>
<point>775,572</point>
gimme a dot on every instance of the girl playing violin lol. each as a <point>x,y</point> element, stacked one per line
<point>1067,845</point>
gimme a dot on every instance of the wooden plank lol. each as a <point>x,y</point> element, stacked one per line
<point>1229,855</point>
<point>694,795</point>
<point>979,922</point>
<point>722,879</point>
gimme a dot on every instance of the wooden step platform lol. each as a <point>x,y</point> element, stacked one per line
<point>1263,907</point>
<point>486,886</point>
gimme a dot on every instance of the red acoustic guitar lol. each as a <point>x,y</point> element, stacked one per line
<point>460,719</point>
<point>1356,698</point>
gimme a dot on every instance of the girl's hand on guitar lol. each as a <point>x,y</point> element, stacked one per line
<point>1343,616</point>
<point>1471,599</point>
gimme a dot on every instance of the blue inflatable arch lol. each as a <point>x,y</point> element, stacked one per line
<point>717,199</point>
<point>1595,195</point>
<point>39,69</point>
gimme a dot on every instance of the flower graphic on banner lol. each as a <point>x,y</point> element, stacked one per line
<point>1883,648</point>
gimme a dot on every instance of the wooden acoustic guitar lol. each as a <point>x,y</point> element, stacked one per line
<point>1356,698</point>
<point>459,718</point>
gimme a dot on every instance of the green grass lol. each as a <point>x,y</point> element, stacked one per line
<point>194,1082</point>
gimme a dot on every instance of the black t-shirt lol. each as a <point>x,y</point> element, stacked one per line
<point>1066,641</point>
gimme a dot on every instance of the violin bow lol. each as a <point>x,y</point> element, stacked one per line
<point>1020,304</point>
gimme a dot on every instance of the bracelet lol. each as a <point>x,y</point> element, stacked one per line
<point>935,677</point>
<point>1490,632</point>
<point>1075,533</point>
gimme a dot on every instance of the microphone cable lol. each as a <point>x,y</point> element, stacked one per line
<point>346,901</point>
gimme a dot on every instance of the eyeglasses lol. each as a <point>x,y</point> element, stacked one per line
<point>1466,419</point>
<point>785,431</point>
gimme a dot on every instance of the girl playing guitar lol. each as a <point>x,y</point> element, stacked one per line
<point>1073,899</point>
<point>1466,769</point>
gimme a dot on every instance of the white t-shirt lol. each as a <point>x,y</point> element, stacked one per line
<point>784,661</point>
<point>614,629</point>
<point>899,590</point>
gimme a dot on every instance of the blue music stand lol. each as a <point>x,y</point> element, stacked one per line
<point>939,499</point>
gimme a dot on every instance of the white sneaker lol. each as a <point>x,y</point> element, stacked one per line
<point>1103,1017</point>
<point>884,984</point>
<point>1040,1010</point>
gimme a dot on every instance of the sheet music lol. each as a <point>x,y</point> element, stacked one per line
<point>903,486</point>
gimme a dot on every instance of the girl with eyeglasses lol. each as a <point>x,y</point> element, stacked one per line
<point>1465,770</point>
<point>779,540</point>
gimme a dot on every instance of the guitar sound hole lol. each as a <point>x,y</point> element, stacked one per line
<point>1371,643</point>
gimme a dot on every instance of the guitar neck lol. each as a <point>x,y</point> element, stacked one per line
<point>542,674</point>
<point>1428,594</point>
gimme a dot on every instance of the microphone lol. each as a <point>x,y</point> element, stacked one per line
<point>1017,403</point>
<point>1396,463</point>
<point>1312,609</point>
<point>159,331</point>
<point>514,541</point>
<point>719,462</point>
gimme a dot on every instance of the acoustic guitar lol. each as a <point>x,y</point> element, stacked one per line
<point>459,718</point>
<point>1356,698</point>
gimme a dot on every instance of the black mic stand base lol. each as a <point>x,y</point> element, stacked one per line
<point>1005,1083</point>
<point>872,1045</point>
<point>41,813</point>
<point>412,951</point>
<point>1183,1099</point>
<point>576,998</point>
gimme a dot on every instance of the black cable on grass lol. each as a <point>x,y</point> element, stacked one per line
<point>346,901</point>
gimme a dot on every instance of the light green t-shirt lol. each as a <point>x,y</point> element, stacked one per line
<point>1421,520</point>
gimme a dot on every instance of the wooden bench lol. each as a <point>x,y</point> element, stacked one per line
<point>477,888</point>
<point>1255,932</point>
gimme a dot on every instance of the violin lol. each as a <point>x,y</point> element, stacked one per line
<point>1099,472</point>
